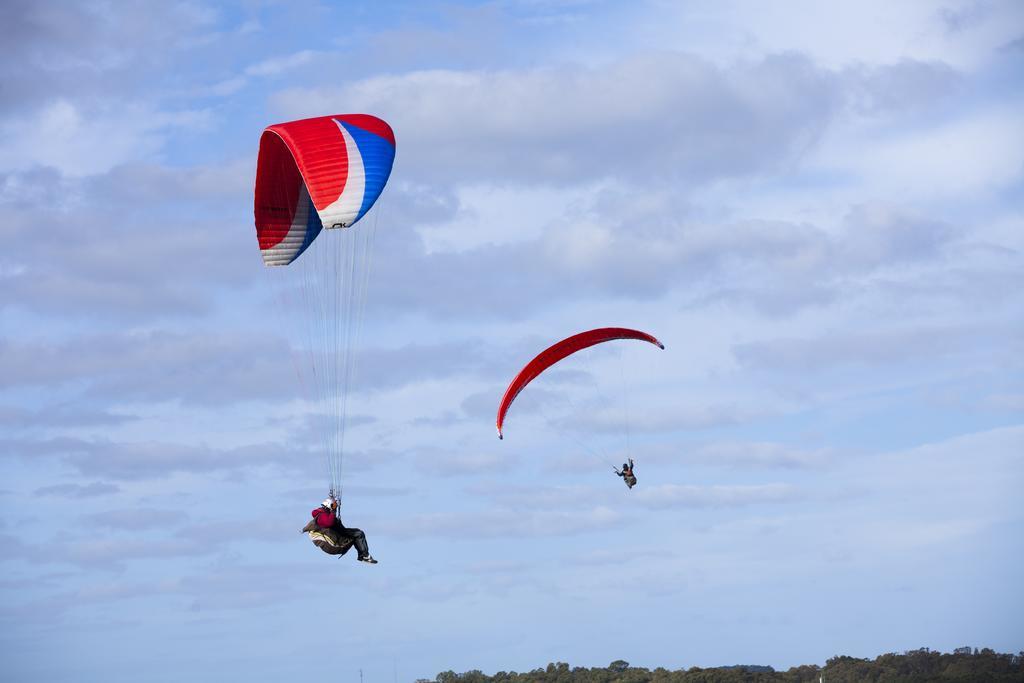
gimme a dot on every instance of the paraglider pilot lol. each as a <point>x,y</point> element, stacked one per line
<point>326,517</point>
<point>627,474</point>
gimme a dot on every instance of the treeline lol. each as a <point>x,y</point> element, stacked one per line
<point>964,665</point>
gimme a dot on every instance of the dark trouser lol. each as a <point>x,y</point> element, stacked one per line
<point>358,539</point>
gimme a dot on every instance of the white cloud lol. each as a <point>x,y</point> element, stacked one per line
<point>937,495</point>
<point>911,346</point>
<point>836,34</point>
<point>490,214</point>
<point>80,141</point>
<point>690,496</point>
<point>649,116</point>
<point>150,460</point>
<point>963,159</point>
<point>504,523</point>
<point>761,454</point>
<point>279,65</point>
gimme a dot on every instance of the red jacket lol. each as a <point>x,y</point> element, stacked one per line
<point>324,518</point>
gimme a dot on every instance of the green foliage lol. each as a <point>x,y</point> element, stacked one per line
<point>964,665</point>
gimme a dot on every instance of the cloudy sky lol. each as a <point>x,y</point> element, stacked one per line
<point>817,207</point>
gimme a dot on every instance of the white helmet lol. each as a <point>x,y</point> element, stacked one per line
<point>328,502</point>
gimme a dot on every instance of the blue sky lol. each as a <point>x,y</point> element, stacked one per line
<point>817,207</point>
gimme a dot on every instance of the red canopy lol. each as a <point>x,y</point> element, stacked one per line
<point>551,355</point>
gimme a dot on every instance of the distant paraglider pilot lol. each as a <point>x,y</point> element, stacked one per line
<point>326,519</point>
<point>627,474</point>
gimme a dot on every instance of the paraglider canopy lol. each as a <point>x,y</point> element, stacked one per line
<point>313,175</point>
<point>553,354</point>
<point>324,172</point>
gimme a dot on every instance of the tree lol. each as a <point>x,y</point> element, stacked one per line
<point>619,666</point>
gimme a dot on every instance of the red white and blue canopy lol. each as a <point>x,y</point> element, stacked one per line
<point>324,172</point>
